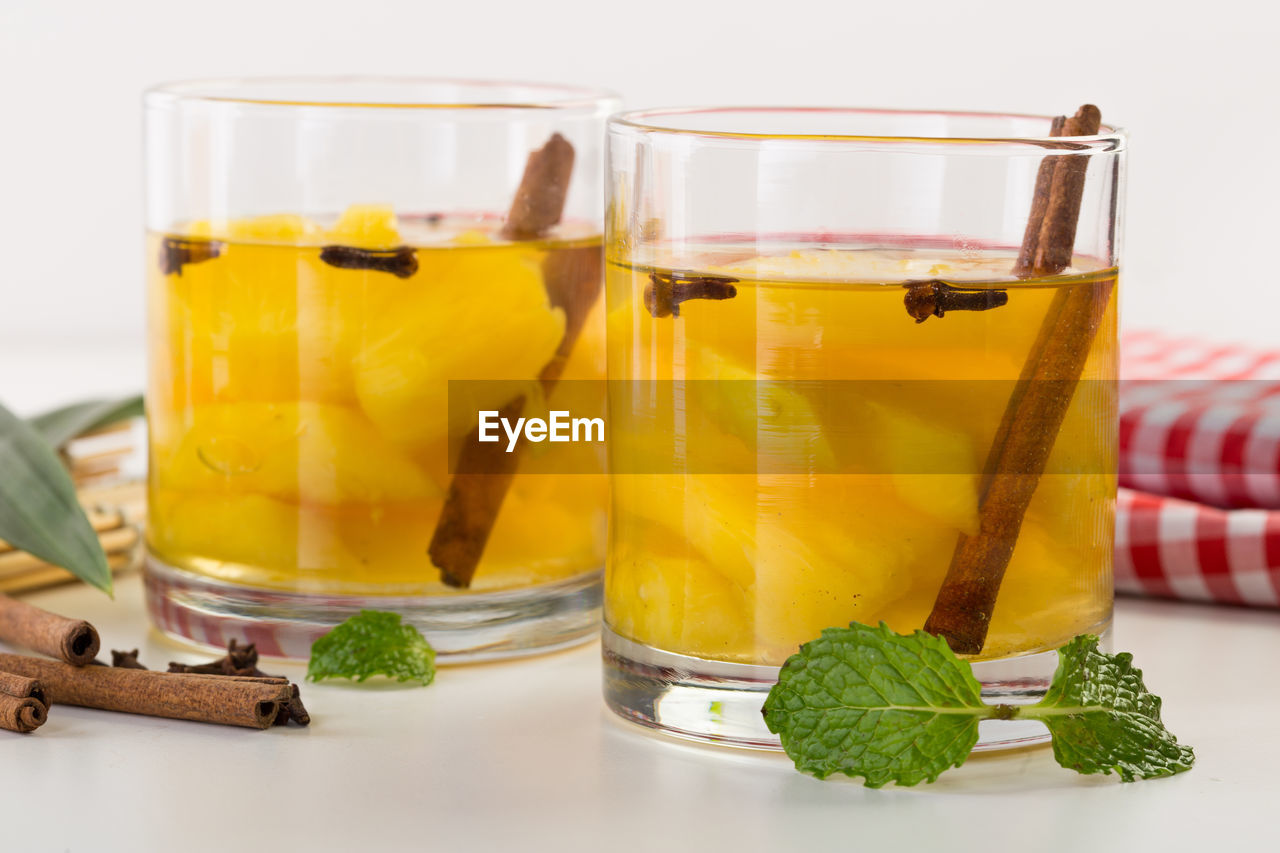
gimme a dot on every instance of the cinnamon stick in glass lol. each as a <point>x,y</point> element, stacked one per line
<point>72,640</point>
<point>484,470</point>
<point>962,610</point>
<point>539,200</point>
<point>226,700</point>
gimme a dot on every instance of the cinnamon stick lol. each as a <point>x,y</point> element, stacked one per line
<point>227,700</point>
<point>22,687</point>
<point>1039,204</point>
<point>72,640</point>
<point>572,277</point>
<point>1033,417</point>
<point>471,507</point>
<point>539,200</point>
<point>242,662</point>
<point>21,714</point>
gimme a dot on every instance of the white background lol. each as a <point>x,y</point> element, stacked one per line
<point>1196,92</point>
<point>413,768</point>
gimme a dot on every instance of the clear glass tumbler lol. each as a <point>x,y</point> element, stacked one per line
<point>324,256</point>
<point>862,368</point>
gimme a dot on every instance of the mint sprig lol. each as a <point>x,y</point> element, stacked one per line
<point>889,707</point>
<point>1103,718</point>
<point>373,643</point>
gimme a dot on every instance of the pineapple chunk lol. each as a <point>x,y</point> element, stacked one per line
<point>473,237</point>
<point>1041,596</point>
<point>586,360</point>
<point>384,545</point>
<point>770,538</point>
<point>540,535</point>
<point>272,228</point>
<point>308,452</point>
<point>713,514</point>
<point>366,226</point>
<point>906,438</point>
<point>264,323</point>
<point>276,228</point>
<point>815,570</point>
<point>772,418</point>
<point>680,604</point>
<point>252,530</point>
<point>480,315</point>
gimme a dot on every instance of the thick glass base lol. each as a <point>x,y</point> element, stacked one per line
<point>718,702</point>
<point>461,628</point>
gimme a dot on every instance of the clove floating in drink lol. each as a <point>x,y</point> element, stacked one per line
<point>401,261</point>
<point>934,298</point>
<point>666,291</point>
<point>177,252</point>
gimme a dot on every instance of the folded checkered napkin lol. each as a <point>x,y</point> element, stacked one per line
<point>1178,549</point>
<point>1199,471</point>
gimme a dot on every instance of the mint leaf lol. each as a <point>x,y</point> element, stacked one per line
<point>868,702</point>
<point>1103,718</point>
<point>373,643</point>
<point>889,707</point>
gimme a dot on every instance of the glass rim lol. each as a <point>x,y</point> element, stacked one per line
<point>1110,137</point>
<point>238,91</point>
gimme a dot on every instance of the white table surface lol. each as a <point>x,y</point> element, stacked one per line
<point>523,755</point>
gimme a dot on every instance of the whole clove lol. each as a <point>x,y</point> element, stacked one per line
<point>125,660</point>
<point>239,660</point>
<point>401,261</point>
<point>934,298</point>
<point>242,662</point>
<point>177,252</point>
<point>666,291</point>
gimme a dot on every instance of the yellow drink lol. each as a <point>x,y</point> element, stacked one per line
<point>299,407</point>
<point>884,423</point>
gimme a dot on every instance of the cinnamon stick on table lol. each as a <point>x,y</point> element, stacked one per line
<point>572,277</point>
<point>1036,409</point>
<point>239,662</point>
<point>228,700</point>
<point>21,715</point>
<point>23,706</point>
<point>72,640</point>
<point>12,684</point>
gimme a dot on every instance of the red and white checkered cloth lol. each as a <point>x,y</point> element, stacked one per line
<point>1199,471</point>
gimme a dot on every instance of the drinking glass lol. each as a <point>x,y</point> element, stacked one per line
<point>862,368</point>
<point>325,256</point>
